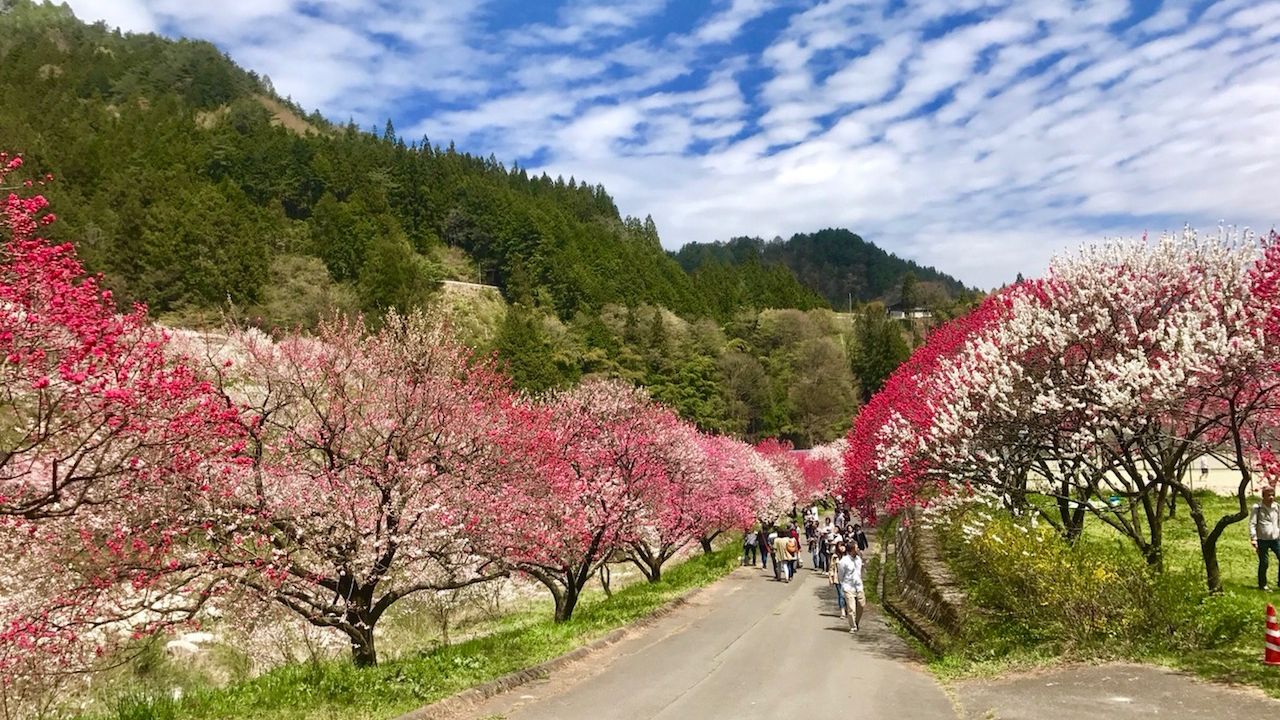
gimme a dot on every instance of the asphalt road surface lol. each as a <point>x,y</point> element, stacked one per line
<point>745,648</point>
<point>748,647</point>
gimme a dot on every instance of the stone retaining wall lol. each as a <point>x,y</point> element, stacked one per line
<point>924,582</point>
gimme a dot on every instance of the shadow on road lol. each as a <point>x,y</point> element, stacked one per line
<point>875,635</point>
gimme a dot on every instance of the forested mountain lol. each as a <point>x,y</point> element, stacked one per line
<point>727,288</point>
<point>188,183</point>
<point>194,188</point>
<point>835,263</point>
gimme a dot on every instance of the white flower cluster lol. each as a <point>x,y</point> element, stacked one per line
<point>1123,342</point>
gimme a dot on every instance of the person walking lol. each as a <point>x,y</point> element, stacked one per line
<point>774,554</point>
<point>834,540</point>
<point>859,538</point>
<point>1264,533</point>
<point>782,558</point>
<point>824,546</point>
<point>763,539</point>
<point>835,583</point>
<point>749,542</point>
<point>794,533</point>
<point>793,554</point>
<point>849,575</point>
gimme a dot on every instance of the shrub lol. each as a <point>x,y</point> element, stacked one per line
<point>1091,598</point>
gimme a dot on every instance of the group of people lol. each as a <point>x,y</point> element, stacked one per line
<point>836,547</point>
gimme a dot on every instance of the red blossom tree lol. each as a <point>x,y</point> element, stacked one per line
<point>588,460</point>
<point>821,470</point>
<point>882,475</point>
<point>105,433</point>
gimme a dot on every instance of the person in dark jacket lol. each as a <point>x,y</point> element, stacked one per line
<point>858,537</point>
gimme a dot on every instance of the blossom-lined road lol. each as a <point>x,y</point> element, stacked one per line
<point>749,648</point>
<point>744,648</point>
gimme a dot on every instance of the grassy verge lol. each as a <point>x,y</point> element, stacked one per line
<point>1046,602</point>
<point>332,689</point>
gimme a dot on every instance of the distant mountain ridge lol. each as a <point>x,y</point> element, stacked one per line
<point>834,263</point>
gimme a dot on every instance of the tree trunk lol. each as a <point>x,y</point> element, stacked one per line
<point>565,603</point>
<point>363,651</point>
<point>1075,524</point>
<point>706,544</point>
<point>1212,571</point>
<point>605,576</point>
<point>649,564</point>
<point>1153,553</point>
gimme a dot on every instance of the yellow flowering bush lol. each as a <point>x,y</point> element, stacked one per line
<point>1024,577</point>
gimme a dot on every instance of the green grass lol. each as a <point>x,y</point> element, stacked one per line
<point>331,689</point>
<point>1239,658</point>
<point>1167,619</point>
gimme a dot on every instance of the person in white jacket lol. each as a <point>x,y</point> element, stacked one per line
<point>1264,533</point>
<point>849,575</point>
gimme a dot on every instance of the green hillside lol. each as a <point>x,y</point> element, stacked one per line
<point>836,264</point>
<point>188,183</point>
<point>194,188</point>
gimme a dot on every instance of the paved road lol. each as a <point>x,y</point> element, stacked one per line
<point>745,648</point>
<point>749,648</point>
<point>1117,691</point>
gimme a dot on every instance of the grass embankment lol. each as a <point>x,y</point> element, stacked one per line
<point>519,640</point>
<point>1043,602</point>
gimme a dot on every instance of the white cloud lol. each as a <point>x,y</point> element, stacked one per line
<point>336,55</point>
<point>587,22</point>
<point>983,149</point>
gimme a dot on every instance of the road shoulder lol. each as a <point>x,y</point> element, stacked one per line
<point>1113,690</point>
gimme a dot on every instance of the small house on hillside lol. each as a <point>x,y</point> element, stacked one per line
<point>902,312</point>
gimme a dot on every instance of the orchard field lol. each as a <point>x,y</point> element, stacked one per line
<point>153,480</point>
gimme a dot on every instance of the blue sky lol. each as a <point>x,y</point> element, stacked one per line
<point>979,136</point>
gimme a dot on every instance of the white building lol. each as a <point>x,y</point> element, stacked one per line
<point>900,312</point>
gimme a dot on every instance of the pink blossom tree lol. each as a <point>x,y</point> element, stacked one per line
<point>786,461</point>
<point>365,449</point>
<point>675,498</point>
<point>731,490</point>
<point>1129,361</point>
<point>780,476</point>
